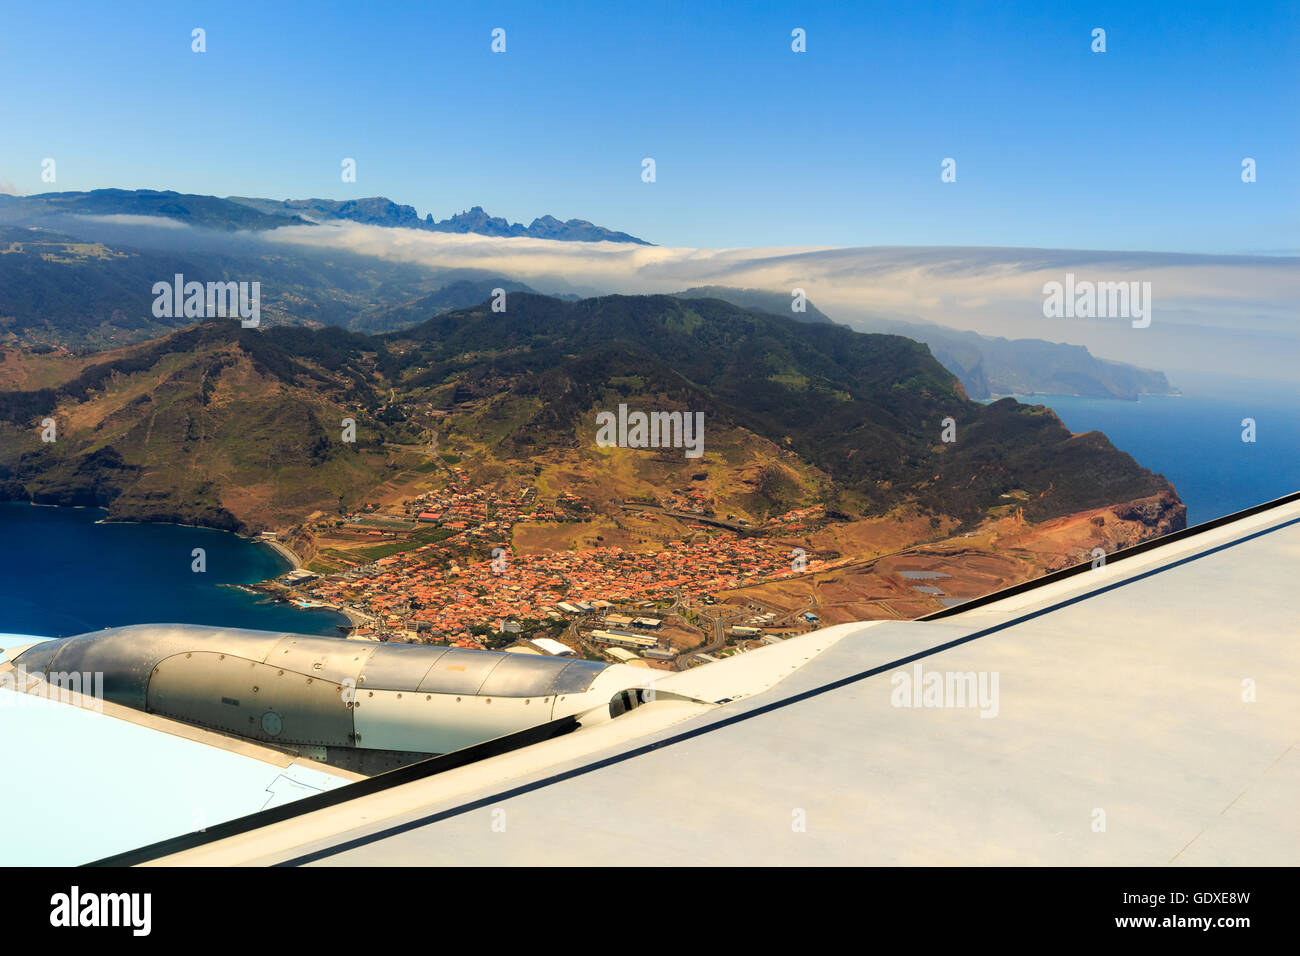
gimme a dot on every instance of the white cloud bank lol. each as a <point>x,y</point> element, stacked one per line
<point>131,219</point>
<point>1231,314</point>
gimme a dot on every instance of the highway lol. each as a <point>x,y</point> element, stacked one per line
<point>686,516</point>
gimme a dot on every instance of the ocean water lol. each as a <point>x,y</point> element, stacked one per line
<point>1195,439</point>
<point>62,572</point>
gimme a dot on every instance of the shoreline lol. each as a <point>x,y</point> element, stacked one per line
<point>277,594</point>
<point>285,552</point>
<point>1030,398</point>
<point>356,617</point>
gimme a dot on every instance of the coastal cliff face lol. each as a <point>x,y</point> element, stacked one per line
<point>1160,514</point>
<point>1062,542</point>
<point>212,426</point>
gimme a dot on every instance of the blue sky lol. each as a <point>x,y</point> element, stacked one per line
<point>1056,146</point>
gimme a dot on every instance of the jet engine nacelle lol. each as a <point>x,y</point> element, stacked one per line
<point>318,695</point>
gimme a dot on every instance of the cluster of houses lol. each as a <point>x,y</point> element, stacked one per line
<point>481,511</point>
<point>688,500</point>
<point>413,590</point>
<point>800,519</point>
<point>446,591</point>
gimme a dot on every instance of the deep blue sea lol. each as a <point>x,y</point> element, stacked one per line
<point>1195,439</point>
<point>62,573</point>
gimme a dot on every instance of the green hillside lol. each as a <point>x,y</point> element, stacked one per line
<point>236,427</point>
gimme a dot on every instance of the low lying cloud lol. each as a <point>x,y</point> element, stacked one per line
<point>127,219</point>
<point>1235,314</point>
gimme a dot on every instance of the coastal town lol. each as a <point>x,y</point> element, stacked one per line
<point>440,568</point>
<point>667,581</point>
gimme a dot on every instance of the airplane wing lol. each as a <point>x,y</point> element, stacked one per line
<point>1142,712</point>
<point>113,778</point>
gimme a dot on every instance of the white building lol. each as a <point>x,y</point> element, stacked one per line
<point>552,647</point>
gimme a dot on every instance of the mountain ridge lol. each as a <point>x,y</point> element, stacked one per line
<point>987,366</point>
<point>990,366</point>
<point>234,213</point>
<point>238,428</point>
<point>382,211</point>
